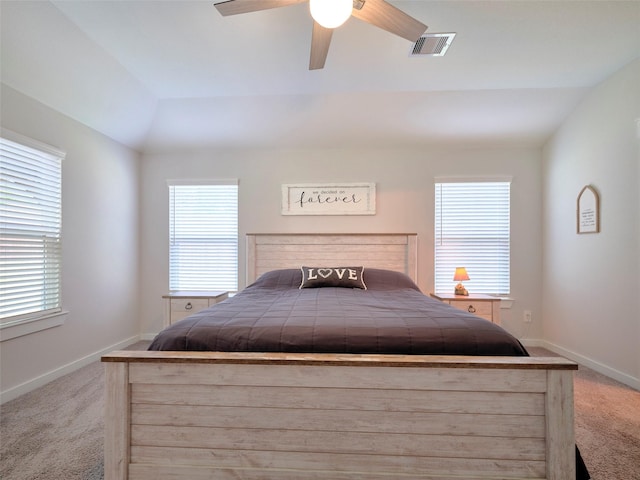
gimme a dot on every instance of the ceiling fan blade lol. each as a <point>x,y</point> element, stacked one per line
<point>320,41</point>
<point>234,7</point>
<point>389,18</point>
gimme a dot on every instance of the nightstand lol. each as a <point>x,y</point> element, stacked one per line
<point>484,306</point>
<point>178,305</point>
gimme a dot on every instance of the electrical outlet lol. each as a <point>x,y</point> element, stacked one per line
<point>527,316</point>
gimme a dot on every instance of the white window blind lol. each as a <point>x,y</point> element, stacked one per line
<point>30,227</point>
<point>472,230</point>
<point>203,235</point>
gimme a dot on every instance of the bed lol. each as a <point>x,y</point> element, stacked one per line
<point>474,407</point>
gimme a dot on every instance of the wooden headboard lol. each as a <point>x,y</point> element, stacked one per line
<point>272,251</point>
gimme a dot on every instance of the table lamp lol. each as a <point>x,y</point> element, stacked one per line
<point>460,276</point>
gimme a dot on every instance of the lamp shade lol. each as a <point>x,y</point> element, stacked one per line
<point>461,274</point>
<point>330,13</point>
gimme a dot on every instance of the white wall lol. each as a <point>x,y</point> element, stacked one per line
<point>404,187</point>
<point>100,183</point>
<point>591,282</point>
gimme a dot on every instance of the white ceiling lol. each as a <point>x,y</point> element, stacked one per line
<point>176,74</point>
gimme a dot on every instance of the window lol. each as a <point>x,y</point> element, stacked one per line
<point>30,228</point>
<point>472,231</point>
<point>203,235</point>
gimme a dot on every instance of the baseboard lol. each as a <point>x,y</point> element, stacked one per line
<point>148,336</point>
<point>30,385</point>
<point>586,361</point>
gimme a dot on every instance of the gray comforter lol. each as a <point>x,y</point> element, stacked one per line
<point>391,316</point>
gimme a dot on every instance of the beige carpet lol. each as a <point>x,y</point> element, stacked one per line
<point>56,431</point>
<point>607,426</point>
<point>607,419</point>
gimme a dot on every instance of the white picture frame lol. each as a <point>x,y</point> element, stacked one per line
<point>329,198</point>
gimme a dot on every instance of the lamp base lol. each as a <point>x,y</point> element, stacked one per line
<point>460,290</point>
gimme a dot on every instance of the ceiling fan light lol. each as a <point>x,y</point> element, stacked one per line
<point>330,13</point>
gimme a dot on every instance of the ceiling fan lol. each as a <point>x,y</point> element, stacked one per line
<point>376,12</point>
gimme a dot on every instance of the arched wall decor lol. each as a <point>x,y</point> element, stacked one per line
<point>588,210</point>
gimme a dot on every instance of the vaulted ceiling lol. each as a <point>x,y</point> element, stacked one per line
<point>176,74</point>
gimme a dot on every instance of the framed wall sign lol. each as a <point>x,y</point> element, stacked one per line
<point>329,199</point>
<point>588,211</point>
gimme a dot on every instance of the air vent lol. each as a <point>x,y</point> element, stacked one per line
<point>432,44</point>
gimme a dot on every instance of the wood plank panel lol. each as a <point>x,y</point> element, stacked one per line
<point>389,263</point>
<point>151,472</point>
<point>390,258</point>
<point>334,260</point>
<point>116,419</point>
<point>464,379</point>
<point>267,265</point>
<point>412,257</point>
<point>267,252</point>
<point>372,464</point>
<point>322,250</point>
<point>345,438</point>
<point>561,461</point>
<point>366,399</point>
<point>340,420</point>
<point>331,239</point>
<point>342,259</point>
<point>451,446</point>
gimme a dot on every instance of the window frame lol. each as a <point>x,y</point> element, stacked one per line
<point>461,251</point>
<point>13,326</point>
<point>173,276</point>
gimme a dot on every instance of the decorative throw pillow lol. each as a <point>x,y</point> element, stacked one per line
<point>347,277</point>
